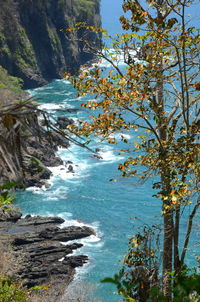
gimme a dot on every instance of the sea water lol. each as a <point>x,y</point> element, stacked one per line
<point>88,197</point>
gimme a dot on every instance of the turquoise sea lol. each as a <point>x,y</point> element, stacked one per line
<point>88,197</point>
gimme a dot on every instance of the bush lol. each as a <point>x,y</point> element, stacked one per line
<point>11,291</point>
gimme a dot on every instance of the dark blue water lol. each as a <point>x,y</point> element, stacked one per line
<point>88,197</point>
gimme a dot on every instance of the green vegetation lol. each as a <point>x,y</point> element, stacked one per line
<point>24,54</point>
<point>2,39</point>
<point>11,291</point>
<point>55,42</point>
<point>36,164</point>
<point>85,7</point>
<point>9,86</point>
<point>186,288</point>
<point>138,282</point>
<point>5,196</point>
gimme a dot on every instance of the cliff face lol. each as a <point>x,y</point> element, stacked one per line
<point>32,45</point>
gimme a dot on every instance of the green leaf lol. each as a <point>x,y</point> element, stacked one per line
<point>109,280</point>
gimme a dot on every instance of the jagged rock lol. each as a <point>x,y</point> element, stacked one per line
<point>67,162</point>
<point>59,140</point>
<point>53,233</point>
<point>75,261</point>
<point>41,257</point>
<point>9,213</point>
<point>70,169</point>
<point>39,220</point>
<point>68,110</point>
<point>44,150</point>
<point>63,122</point>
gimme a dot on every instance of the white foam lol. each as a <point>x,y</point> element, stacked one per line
<point>120,136</point>
<point>109,156</point>
<point>49,106</point>
<point>63,81</point>
<point>37,190</point>
<point>79,171</point>
<point>75,222</point>
<point>117,56</point>
<point>83,271</point>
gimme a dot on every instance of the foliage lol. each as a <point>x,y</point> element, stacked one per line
<point>157,94</point>
<point>10,291</point>
<point>37,164</point>
<point>139,280</point>
<point>140,271</point>
<point>5,197</point>
<point>10,87</point>
<point>187,286</point>
<point>18,121</point>
<point>86,6</point>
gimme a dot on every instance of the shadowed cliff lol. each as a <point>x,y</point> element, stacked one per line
<point>32,45</point>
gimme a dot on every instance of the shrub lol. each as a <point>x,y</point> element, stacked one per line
<point>11,291</point>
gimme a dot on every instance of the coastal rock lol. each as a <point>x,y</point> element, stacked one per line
<point>75,261</point>
<point>37,154</point>
<point>63,122</point>
<point>9,213</point>
<point>59,140</point>
<point>39,256</point>
<point>44,261</point>
<point>70,169</point>
<point>37,48</point>
<point>67,110</point>
<point>52,233</point>
<point>29,220</point>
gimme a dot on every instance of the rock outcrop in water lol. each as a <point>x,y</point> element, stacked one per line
<point>36,253</point>
<point>32,45</point>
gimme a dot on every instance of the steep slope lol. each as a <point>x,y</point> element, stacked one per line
<point>32,45</point>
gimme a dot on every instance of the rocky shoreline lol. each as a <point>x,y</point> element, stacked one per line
<point>33,253</point>
<point>35,250</point>
<point>38,152</point>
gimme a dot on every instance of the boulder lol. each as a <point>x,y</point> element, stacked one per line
<point>9,213</point>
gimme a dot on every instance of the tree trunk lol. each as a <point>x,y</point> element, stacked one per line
<point>167,253</point>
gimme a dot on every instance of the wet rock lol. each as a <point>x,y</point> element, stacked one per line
<point>70,169</point>
<point>68,110</point>
<point>76,261</point>
<point>68,162</point>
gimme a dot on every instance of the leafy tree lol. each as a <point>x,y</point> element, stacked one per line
<point>157,93</point>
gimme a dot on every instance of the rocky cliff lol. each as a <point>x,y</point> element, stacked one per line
<point>32,45</point>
